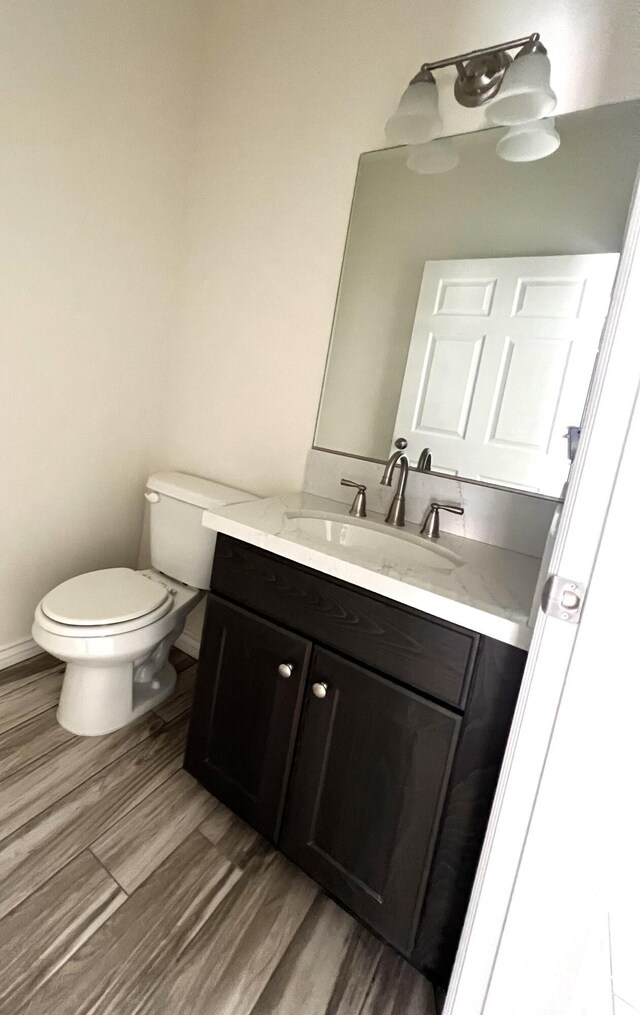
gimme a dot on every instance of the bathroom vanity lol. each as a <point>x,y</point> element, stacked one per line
<point>360,735</point>
<point>357,681</point>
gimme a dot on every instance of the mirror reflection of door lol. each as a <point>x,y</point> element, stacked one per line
<point>501,354</point>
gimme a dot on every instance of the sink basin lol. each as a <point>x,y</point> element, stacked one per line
<point>362,541</point>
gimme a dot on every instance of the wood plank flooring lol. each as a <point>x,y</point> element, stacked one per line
<point>126,889</point>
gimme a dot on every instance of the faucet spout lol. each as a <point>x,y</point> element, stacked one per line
<point>395,514</point>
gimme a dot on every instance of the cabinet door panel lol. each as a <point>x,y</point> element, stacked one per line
<point>245,713</point>
<point>362,811</point>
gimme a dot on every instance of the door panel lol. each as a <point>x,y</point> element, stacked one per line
<point>499,364</point>
<point>372,765</point>
<point>245,712</point>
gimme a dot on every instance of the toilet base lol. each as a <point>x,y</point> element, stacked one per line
<point>115,698</point>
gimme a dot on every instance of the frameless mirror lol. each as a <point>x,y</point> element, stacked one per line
<point>471,302</point>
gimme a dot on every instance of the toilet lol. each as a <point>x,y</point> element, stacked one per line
<point>114,628</point>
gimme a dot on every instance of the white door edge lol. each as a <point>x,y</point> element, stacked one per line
<point>607,417</point>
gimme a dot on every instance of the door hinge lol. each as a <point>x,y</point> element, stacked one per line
<point>563,598</point>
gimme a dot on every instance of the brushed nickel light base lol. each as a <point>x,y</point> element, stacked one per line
<point>480,79</point>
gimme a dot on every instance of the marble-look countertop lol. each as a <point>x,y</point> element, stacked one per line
<point>476,585</point>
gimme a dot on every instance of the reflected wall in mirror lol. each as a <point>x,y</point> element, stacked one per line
<point>471,303</point>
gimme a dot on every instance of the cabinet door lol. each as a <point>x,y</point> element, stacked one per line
<point>245,712</point>
<point>370,775</point>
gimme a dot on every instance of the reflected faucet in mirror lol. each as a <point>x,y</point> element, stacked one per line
<point>424,461</point>
<point>395,514</point>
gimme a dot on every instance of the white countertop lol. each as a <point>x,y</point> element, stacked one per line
<point>489,589</point>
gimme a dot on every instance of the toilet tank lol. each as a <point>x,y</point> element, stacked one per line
<point>180,545</point>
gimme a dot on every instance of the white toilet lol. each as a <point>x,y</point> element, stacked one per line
<point>114,628</point>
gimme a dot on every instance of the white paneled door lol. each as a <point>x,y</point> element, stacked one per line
<point>499,365</point>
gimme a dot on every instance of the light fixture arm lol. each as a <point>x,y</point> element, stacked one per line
<point>480,71</point>
<point>459,61</point>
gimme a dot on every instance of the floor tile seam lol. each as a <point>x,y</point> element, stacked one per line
<point>27,690</point>
<point>27,679</point>
<point>124,814</point>
<point>60,800</point>
<point>175,958</point>
<point>25,718</point>
<point>37,757</point>
<point>178,715</point>
<point>43,884</point>
<point>78,785</point>
<point>109,873</point>
<point>192,941</point>
<point>190,831</point>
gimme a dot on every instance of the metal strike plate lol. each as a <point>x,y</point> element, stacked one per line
<point>573,435</point>
<point>563,598</point>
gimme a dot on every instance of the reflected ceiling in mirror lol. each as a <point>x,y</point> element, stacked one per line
<point>471,302</point>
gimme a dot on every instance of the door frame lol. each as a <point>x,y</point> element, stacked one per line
<point>603,449</point>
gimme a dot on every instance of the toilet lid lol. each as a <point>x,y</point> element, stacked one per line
<point>104,597</point>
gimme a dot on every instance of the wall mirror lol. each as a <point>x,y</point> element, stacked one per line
<point>471,302</point>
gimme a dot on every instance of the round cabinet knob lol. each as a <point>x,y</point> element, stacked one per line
<point>320,690</point>
<point>401,443</point>
<point>285,670</point>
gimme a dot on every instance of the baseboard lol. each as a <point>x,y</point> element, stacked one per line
<point>18,651</point>
<point>188,644</point>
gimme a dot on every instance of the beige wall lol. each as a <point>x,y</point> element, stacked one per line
<point>97,104</point>
<point>575,202</point>
<point>295,91</point>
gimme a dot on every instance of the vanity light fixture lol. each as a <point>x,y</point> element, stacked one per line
<point>482,73</point>
<point>433,157</point>
<point>517,89</point>
<point>417,118</point>
<point>527,142</point>
<point>525,92</point>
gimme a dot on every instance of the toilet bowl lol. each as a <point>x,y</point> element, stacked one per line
<point>116,670</point>
<point>114,627</point>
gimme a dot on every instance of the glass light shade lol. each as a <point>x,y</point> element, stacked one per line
<point>417,118</point>
<point>525,93</point>
<point>528,142</point>
<point>433,157</point>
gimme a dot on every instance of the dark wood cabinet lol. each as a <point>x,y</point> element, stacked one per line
<point>245,712</point>
<point>373,764</point>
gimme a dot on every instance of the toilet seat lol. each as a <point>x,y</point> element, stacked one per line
<point>178,599</point>
<point>87,632</point>
<point>113,596</point>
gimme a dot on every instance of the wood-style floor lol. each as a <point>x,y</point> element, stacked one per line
<point>126,888</point>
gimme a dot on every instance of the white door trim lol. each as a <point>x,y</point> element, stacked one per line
<point>607,418</point>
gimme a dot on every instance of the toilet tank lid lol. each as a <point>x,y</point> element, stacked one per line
<point>204,493</point>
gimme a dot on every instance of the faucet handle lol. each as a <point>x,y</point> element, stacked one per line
<point>359,507</point>
<point>431,527</point>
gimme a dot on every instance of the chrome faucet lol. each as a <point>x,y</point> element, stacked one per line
<point>359,507</point>
<point>395,514</point>
<point>431,527</point>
